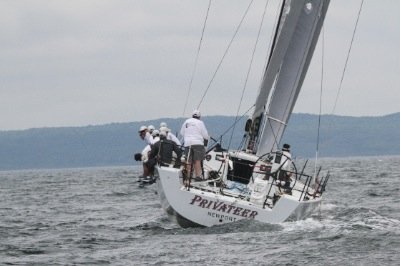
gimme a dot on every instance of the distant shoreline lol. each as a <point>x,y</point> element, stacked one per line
<point>115,144</point>
<point>138,167</point>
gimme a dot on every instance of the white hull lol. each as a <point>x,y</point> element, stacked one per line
<point>200,206</point>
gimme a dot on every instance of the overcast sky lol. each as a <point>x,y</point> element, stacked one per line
<point>81,62</point>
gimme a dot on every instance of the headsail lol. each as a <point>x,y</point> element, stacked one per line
<point>296,37</point>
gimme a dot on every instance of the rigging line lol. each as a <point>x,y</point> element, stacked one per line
<point>347,58</point>
<point>320,98</point>
<point>273,133</point>
<point>236,121</point>
<point>272,39</point>
<point>248,71</point>
<point>276,30</point>
<point>196,60</point>
<point>225,53</point>
<point>271,48</point>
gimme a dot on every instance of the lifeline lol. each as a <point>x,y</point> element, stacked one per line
<point>222,207</point>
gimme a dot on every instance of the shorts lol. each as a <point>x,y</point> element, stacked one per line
<point>197,152</point>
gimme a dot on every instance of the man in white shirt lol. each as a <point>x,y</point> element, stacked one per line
<point>148,138</point>
<point>171,136</point>
<point>151,128</point>
<point>195,136</point>
<point>145,135</point>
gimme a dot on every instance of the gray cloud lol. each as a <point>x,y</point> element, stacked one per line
<point>86,62</point>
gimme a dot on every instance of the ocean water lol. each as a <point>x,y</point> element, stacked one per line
<point>100,216</point>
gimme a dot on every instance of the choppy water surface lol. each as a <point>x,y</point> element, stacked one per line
<point>99,216</point>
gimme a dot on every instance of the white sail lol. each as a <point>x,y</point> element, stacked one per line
<point>296,37</point>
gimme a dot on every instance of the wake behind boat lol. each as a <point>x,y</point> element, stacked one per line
<point>259,181</point>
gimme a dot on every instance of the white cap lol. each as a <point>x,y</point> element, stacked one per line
<point>155,132</point>
<point>163,124</point>
<point>151,128</point>
<point>164,129</point>
<point>142,128</point>
<point>196,113</point>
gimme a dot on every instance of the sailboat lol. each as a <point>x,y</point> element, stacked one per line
<point>259,181</point>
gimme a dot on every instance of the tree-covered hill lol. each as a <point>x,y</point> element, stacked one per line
<point>115,144</point>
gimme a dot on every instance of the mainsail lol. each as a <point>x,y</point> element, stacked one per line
<point>295,39</point>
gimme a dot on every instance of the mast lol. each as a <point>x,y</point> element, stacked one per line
<point>296,34</point>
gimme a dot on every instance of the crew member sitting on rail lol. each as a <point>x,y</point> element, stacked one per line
<point>161,152</point>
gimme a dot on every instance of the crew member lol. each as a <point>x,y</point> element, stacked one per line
<point>162,151</point>
<point>195,138</point>
<point>146,136</point>
<point>282,165</point>
<point>171,136</point>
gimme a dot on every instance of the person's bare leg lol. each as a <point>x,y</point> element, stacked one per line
<point>197,167</point>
